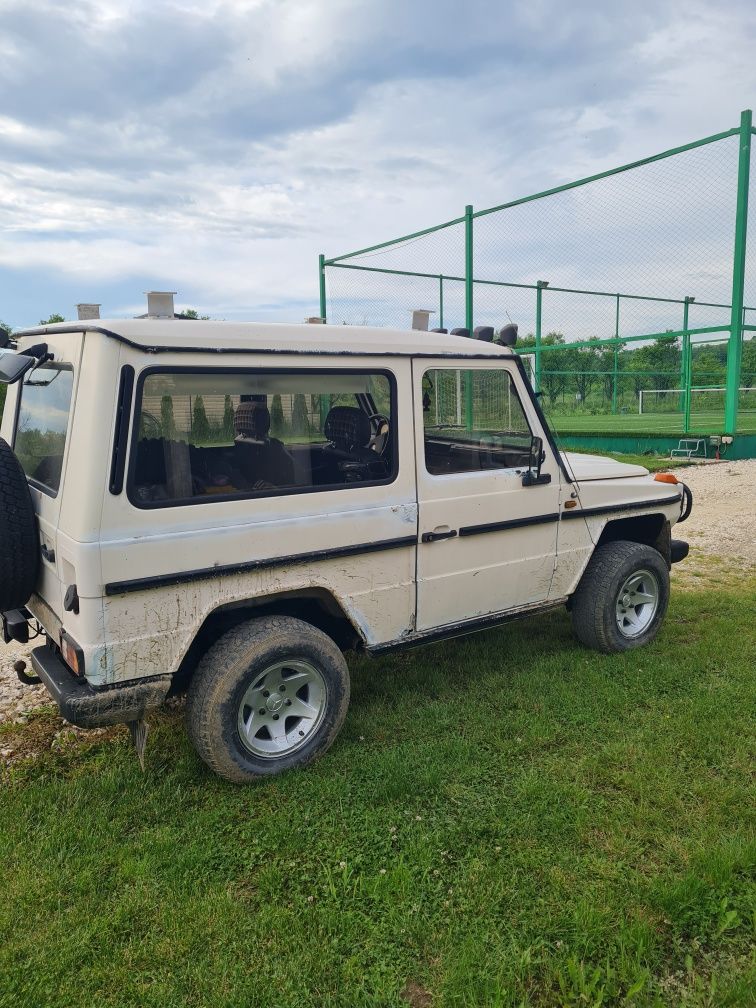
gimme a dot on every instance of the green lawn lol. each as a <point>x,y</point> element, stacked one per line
<point>645,423</point>
<point>505,820</point>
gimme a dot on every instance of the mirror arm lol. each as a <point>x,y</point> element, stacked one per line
<point>537,456</point>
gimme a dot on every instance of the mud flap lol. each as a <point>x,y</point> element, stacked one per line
<point>139,731</point>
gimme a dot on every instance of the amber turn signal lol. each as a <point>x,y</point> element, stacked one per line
<point>666,478</point>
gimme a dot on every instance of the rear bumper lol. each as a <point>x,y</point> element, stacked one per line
<point>89,708</point>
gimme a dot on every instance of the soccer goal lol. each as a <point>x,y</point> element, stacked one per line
<point>702,400</point>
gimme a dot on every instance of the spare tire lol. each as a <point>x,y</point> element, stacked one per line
<point>19,540</point>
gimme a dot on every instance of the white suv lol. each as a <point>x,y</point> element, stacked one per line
<point>229,508</point>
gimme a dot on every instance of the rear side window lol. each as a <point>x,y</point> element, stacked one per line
<point>43,413</point>
<point>473,420</point>
<point>204,436</point>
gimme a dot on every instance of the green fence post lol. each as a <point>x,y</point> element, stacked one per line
<point>469,308</point>
<point>469,268</point>
<point>686,369</point>
<point>541,286</point>
<point>735,343</point>
<point>441,302</point>
<point>616,355</point>
<point>322,285</point>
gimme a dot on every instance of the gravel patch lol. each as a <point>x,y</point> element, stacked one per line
<point>722,525</point>
<point>723,520</point>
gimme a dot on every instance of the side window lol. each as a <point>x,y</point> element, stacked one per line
<point>43,414</point>
<point>473,420</point>
<point>213,435</point>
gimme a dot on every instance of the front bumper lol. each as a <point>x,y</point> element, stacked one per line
<point>86,707</point>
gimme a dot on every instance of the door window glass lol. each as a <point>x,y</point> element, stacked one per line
<point>43,413</point>
<point>473,420</point>
<point>205,436</point>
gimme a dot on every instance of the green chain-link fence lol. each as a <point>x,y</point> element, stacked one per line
<point>634,290</point>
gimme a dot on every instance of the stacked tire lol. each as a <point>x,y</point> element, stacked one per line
<point>19,539</point>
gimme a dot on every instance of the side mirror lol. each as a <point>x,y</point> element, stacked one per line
<point>14,366</point>
<point>534,476</point>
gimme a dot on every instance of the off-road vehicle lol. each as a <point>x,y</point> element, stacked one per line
<point>228,508</point>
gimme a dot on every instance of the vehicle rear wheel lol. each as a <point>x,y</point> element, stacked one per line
<point>622,597</point>
<point>19,540</point>
<point>269,696</point>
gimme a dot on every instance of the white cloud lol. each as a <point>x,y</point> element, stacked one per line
<point>221,146</point>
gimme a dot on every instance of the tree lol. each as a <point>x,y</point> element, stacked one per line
<point>300,423</point>
<point>191,313</point>
<point>200,423</point>
<point>52,320</point>
<point>277,422</point>
<point>167,419</point>
<point>228,419</point>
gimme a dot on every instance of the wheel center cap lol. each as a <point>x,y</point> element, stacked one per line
<point>626,601</point>
<point>274,703</point>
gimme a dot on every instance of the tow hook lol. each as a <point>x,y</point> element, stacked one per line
<point>19,667</point>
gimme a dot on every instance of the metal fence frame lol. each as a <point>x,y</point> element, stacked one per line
<point>735,330</point>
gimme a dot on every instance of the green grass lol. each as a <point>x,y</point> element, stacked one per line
<point>505,820</point>
<point>645,423</point>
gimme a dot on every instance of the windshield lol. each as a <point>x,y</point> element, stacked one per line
<point>43,413</point>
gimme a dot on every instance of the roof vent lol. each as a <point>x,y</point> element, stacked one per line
<point>160,304</point>
<point>87,311</point>
<point>420,318</point>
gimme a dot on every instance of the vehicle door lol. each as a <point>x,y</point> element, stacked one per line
<point>487,542</point>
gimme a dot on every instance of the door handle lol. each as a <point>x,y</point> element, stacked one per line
<point>48,554</point>
<point>428,537</point>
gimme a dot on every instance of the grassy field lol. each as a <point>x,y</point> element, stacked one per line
<point>505,820</point>
<point>646,423</point>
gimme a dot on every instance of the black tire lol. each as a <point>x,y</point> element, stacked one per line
<point>595,611</point>
<point>233,667</point>
<point>19,539</point>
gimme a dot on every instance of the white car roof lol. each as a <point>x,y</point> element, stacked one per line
<point>272,337</point>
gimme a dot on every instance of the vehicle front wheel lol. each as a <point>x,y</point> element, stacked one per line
<point>622,597</point>
<point>269,696</point>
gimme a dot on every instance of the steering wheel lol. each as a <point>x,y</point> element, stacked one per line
<point>381,430</point>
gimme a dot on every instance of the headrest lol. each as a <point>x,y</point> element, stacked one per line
<point>252,420</point>
<point>461,332</point>
<point>347,427</point>
<point>507,335</point>
<point>483,332</point>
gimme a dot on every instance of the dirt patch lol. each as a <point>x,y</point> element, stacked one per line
<point>416,996</point>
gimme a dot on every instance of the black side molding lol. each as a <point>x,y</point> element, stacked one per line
<point>611,508</point>
<point>207,573</point>
<point>502,526</point>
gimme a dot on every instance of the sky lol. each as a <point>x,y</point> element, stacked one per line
<point>215,148</point>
